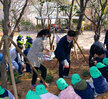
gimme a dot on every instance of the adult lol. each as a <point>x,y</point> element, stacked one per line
<point>106,40</point>
<point>35,53</point>
<point>62,53</point>
<point>96,48</point>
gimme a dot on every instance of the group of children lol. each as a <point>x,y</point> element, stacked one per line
<point>79,88</point>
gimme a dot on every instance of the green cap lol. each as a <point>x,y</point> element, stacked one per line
<point>75,79</point>
<point>20,35</point>
<point>94,72</point>
<point>40,89</point>
<point>105,61</point>
<point>61,84</point>
<point>100,65</point>
<point>2,90</point>
<point>32,95</point>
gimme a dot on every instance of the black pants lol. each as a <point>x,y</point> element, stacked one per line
<point>43,74</point>
<point>64,71</point>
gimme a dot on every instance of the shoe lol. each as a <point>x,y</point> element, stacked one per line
<point>66,76</point>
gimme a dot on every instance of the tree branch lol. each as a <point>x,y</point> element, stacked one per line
<point>18,20</point>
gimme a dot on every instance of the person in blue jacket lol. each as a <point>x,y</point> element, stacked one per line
<point>82,88</point>
<point>103,68</point>
<point>99,82</point>
<point>62,53</point>
<point>28,45</point>
<point>106,40</point>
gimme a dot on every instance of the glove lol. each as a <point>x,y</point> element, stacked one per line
<point>66,64</point>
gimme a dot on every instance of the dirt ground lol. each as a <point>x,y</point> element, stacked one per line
<point>77,66</point>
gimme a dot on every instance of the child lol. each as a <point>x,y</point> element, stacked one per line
<point>103,69</point>
<point>43,93</point>
<point>32,95</point>
<point>99,81</point>
<point>67,92</point>
<point>82,88</point>
<point>28,45</point>
<point>4,93</point>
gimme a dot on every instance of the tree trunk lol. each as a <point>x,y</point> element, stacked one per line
<point>6,7</point>
<point>82,10</point>
<point>70,15</point>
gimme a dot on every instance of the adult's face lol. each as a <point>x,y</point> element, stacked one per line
<point>69,38</point>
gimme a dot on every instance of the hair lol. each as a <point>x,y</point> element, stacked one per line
<point>45,32</point>
<point>72,33</point>
<point>99,51</point>
<point>96,37</point>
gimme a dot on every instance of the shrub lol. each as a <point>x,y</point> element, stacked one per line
<point>49,78</point>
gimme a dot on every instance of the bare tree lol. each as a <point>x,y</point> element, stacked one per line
<point>99,13</point>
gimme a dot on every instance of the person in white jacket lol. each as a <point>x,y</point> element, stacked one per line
<point>16,58</point>
<point>35,53</point>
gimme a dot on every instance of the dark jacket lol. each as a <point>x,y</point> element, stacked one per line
<point>63,49</point>
<point>88,93</point>
<point>5,94</point>
<point>104,72</point>
<point>26,52</point>
<point>100,84</point>
<point>106,38</point>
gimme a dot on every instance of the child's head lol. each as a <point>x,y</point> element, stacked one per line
<point>105,61</point>
<point>2,90</point>
<point>20,37</point>
<point>20,44</point>
<point>61,84</point>
<point>94,72</point>
<point>75,79</point>
<point>40,89</point>
<point>32,95</point>
<point>100,65</point>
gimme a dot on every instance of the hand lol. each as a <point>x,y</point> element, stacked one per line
<point>66,64</point>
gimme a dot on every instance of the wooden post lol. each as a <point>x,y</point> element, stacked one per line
<point>37,25</point>
<point>75,51</point>
<point>1,42</point>
<point>10,68</point>
<point>28,61</point>
<point>48,24</point>
<point>81,51</point>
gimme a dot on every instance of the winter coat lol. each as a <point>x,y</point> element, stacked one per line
<point>48,96</point>
<point>106,38</point>
<point>104,72</point>
<point>63,49</point>
<point>100,84</point>
<point>88,93</point>
<point>68,93</point>
<point>36,51</point>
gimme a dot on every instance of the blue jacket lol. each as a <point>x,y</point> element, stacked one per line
<point>106,38</point>
<point>100,84</point>
<point>104,72</point>
<point>63,49</point>
<point>88,93</point>
<point>5,94</point>
<point>26,52</point>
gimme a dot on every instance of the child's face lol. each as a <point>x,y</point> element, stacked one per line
<point>102,56</point>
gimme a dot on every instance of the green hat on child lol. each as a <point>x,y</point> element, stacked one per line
<point>100,65</point>
<point>61,84</point>
<point>94,72</point>
<point>32,95</point>
<point>105,61</point>
<point>2,90</point>
<point>75,79</point>
<point>40,89</point>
